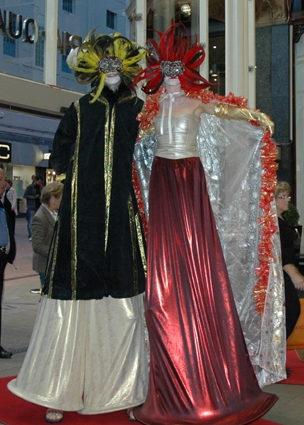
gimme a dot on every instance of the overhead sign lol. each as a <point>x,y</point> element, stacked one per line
<point>5,152</point>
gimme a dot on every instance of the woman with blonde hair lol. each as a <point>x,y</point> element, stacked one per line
<point>43,225</point>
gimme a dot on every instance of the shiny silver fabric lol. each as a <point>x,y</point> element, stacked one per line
<point>185,133</point>
<point>86,356</point>
<point>229,151</point>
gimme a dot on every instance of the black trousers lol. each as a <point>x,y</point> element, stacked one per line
<point>3,263</point>
<point>12,217</point>
<point>292,304</point>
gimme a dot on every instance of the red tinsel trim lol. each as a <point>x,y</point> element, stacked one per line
<point>207,96</point>
<point>152,105</point>
<point>150,109</point>
<point>267,220</point>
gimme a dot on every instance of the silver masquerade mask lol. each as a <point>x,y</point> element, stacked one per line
<point>171,68</point>
<point>110,64</point>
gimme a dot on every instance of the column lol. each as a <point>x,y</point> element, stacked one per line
<point>299,128</point>
<point>141,25</point>
<point>204,35</point>
<point>240,48</point>
<point>50,52</point>
<point>251,55</point>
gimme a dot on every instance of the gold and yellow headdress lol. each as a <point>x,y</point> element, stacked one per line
<point>101,54</point>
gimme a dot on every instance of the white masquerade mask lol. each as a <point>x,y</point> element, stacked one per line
<point>171,81</point>
<point>112,78</point>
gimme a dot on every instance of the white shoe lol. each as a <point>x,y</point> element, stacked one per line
<point>30,238</point>
<point>300,353</point>
<point>35,291</point>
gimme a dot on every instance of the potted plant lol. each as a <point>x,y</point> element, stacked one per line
<point>292,217</point>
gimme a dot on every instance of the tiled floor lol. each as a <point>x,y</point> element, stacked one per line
<point>289,409</point>
<point>19,312</point>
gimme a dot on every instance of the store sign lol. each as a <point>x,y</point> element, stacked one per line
<point>5,152</point>
<point>15,27</point>
<point>28,28</point>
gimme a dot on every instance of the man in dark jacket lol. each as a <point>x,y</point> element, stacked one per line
<point>32,195</point>
<point>7,250</point>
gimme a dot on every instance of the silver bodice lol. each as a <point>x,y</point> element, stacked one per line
<point>183,135</point>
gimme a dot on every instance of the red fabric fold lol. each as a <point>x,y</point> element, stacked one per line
<point>200,368</point>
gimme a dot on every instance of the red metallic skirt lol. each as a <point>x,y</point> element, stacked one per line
<point>200,371</point>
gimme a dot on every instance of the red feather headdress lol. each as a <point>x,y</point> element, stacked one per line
<point>174,46</point>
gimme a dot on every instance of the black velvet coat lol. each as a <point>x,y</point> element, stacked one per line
<point>97,249</point>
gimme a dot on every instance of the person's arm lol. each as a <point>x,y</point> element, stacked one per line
<point>28,193</point>
<point>14,199</point>
<point>207,108</point>
<point>25,195</point>
<point>39,229</point>
<point>288,254</point>
<point>223,110</point>
<point>64,141</point>
<point>294,274</point>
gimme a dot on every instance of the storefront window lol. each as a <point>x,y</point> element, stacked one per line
<point>160,15</point>
<point>217,45</point>
<point>217,62</point>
